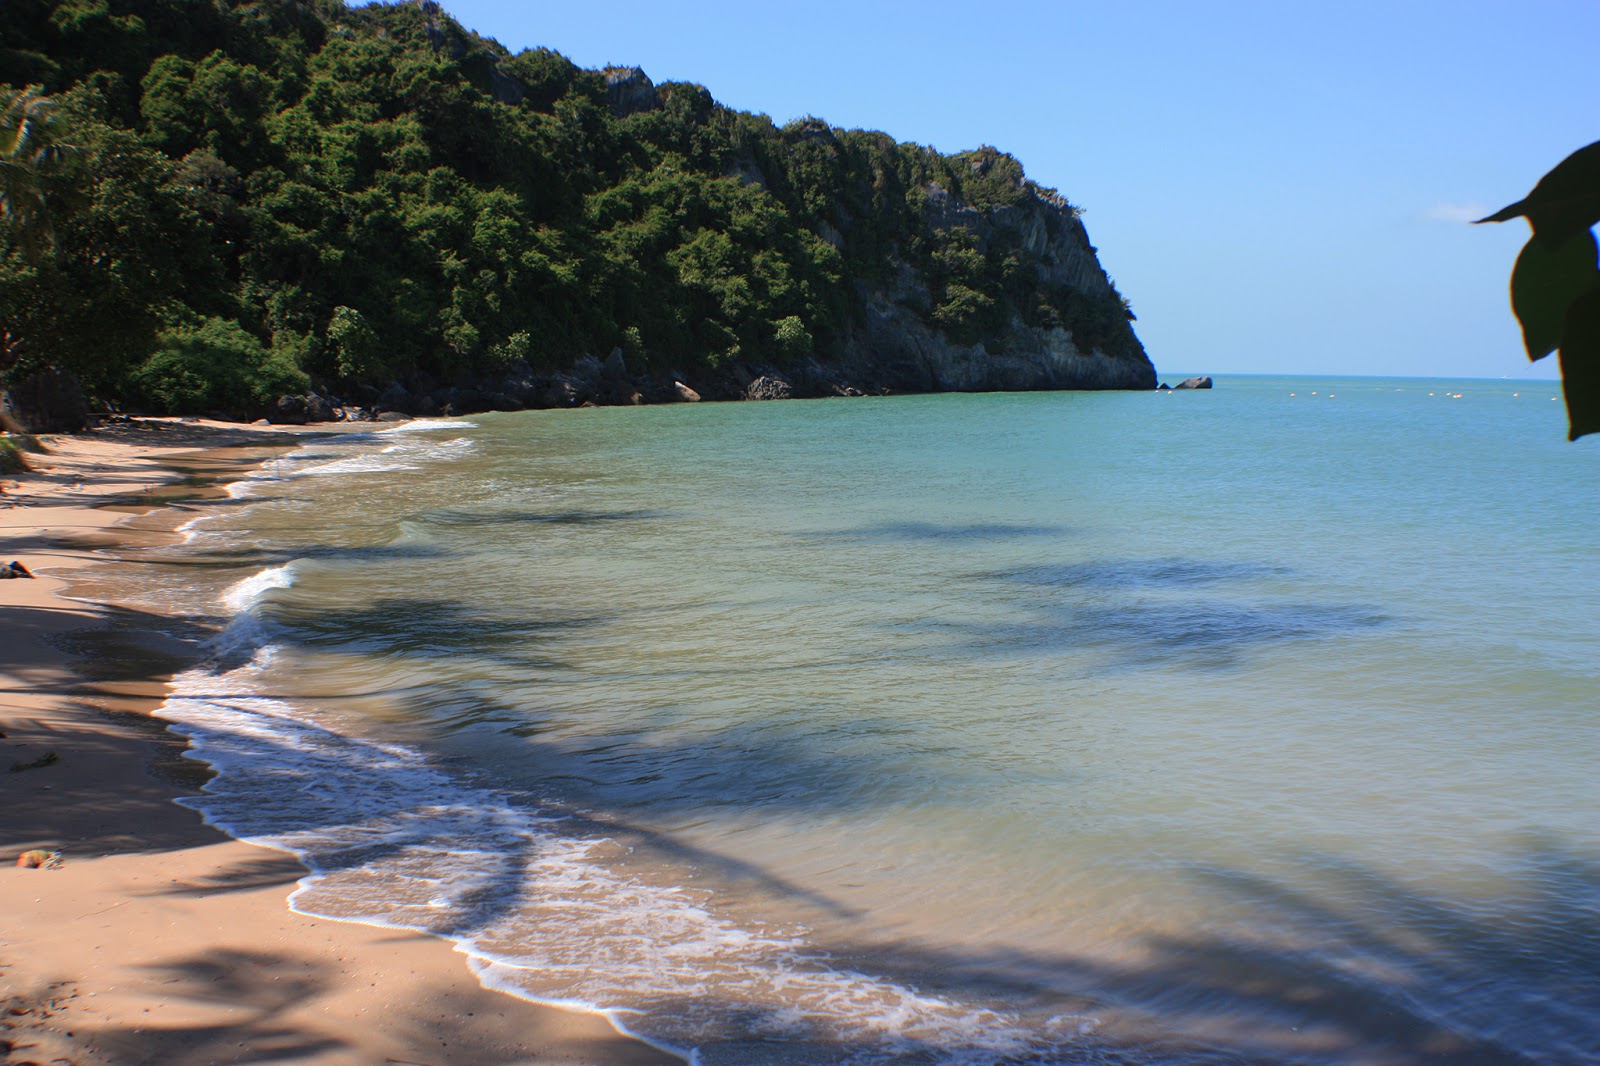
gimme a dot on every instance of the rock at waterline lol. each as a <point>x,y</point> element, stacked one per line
<point>1201,382</point>
<point>768,387</point>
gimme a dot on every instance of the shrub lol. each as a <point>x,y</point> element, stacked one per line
<point>216,364</point>
<point>792,338</point>
<point>354,346</point>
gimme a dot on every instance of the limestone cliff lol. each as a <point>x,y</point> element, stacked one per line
<point>900,346</point>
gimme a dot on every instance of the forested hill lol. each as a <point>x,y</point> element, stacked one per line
<point>265,197</point>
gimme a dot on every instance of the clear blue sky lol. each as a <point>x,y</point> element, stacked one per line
<point>1276,187</point>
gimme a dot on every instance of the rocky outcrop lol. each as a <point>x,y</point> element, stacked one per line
<point>768,387</point>
<point>299,410</point>
<point>898,346</point>
<point>629,91</point>
<point>1201,382</point>
<point>898,350</point>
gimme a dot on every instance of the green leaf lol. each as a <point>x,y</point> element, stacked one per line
<point>1564,201</point>
<point>1544,284</point>
<point>1580,366</point>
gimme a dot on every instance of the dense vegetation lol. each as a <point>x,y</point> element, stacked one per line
<point>255,193</point>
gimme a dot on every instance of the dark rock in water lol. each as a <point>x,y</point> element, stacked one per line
<point>1201,382</point>
<point>1164,387</point>
<point>521,386</point>
<point>768,387</point>
<point>14,569</point>
<point>613,385</point>
<point>588,370</point>
<point>567,390</point>
<point>811,379</point>
<point>615,369</point>
<point>685,393</point>
<point>49,401</point>
<point>355,414</point>
<point>463,401</point>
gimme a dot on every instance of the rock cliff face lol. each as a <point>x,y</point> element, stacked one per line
<point>899,351</point>
<point>900,348</point>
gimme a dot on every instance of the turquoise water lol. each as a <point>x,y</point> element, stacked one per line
<point>1246,726</point>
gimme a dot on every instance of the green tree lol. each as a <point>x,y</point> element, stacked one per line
<point>31,152</point>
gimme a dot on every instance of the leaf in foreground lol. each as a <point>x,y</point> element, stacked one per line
<point>1564,201</point>
<point>1580,366</point>
<point>1544,284</point>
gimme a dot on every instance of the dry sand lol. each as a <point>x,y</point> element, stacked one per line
<point>160,939</point>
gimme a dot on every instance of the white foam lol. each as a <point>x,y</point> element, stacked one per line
<point>422,424</point>
<point>359,460</point>
<point>243,596</point>
<point>356,464</point>
<point>394,841</point>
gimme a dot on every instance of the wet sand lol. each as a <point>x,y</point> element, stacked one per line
<point>160,939</point>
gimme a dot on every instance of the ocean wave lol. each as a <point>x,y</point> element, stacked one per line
<point>422,425</point>
<point>243,596</point>
<point>541,904</point>
<point>544,905</point>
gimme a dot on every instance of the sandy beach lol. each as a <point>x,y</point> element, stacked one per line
<point>160,939</point>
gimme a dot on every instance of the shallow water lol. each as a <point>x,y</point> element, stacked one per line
<point>1251,725</point>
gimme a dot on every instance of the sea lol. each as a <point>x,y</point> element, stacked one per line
<point>1252,725</point>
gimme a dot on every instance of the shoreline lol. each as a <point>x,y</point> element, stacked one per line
<point>162,938</point>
